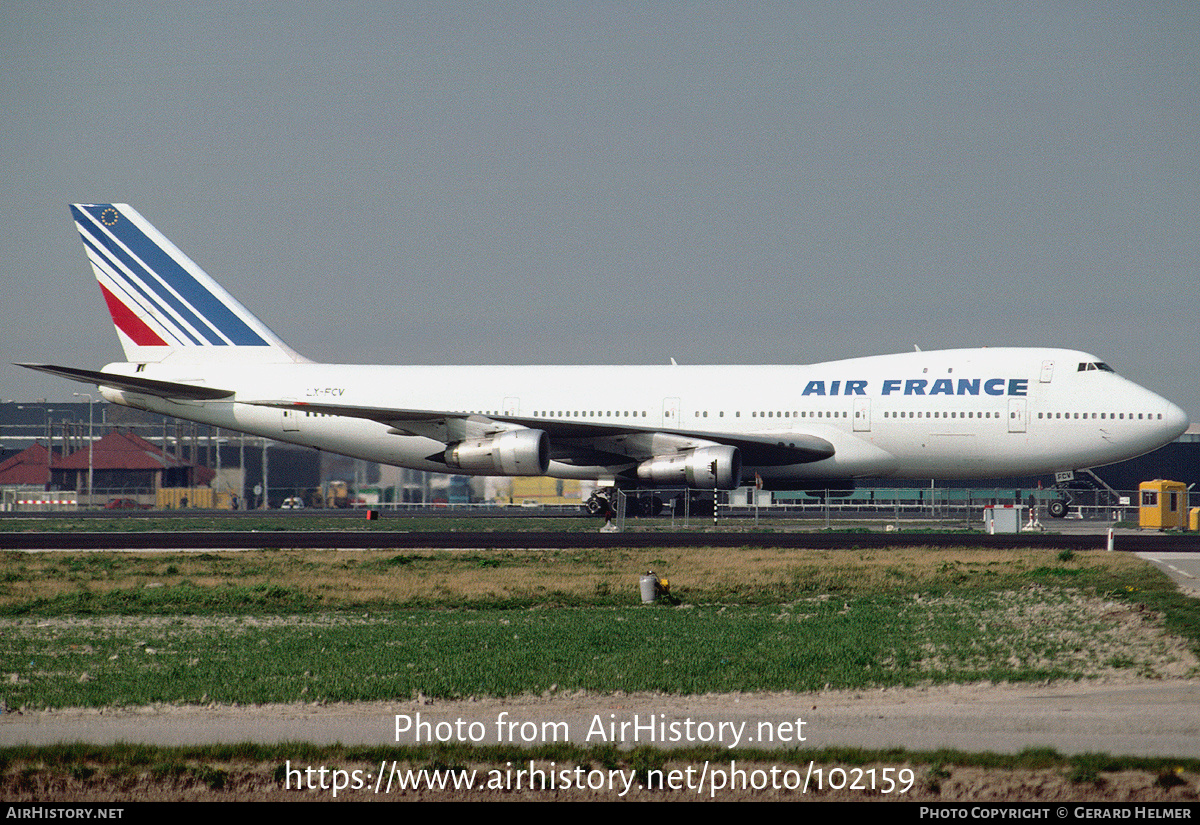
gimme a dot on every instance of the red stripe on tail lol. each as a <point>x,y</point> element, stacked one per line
<point>133,326</point>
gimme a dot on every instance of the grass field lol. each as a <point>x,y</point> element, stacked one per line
<point>134,629</point>
<point>96,629</point>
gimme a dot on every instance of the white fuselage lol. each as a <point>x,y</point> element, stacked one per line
<point>982,413</point>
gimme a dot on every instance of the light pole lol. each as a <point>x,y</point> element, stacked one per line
<point>91,490</point>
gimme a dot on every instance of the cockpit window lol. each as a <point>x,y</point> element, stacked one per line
<point>1087,366</point>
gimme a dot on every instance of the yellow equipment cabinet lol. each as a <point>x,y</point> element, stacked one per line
<point>178,498</point>
<point>532,491</point>
<point>1163,505</point>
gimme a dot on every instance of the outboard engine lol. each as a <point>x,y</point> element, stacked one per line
<point>511,453</point>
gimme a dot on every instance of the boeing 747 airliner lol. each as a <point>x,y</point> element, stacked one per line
<point>194,352</point>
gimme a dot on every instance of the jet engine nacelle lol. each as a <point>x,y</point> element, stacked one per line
<point>511,453</point>
<point>702,468</point>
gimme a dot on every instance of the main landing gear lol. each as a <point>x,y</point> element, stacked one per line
<point>604,500</point>
<point>600,501</point>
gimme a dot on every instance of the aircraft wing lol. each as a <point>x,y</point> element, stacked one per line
<point>576,442</point>
<point>133,383</point>
<point>579,442</point>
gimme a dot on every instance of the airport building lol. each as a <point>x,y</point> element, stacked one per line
<point>140,459</point>
<point>143,459</point>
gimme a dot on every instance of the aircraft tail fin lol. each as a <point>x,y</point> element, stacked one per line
<point>162,304</point>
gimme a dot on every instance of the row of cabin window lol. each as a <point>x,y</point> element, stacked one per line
<point>577,414</point>
<point>1102,416</point>
<point>827,414</point>
<point>941,415</point>
<point>698,414</point>
<point>1045,415</point>
<point>780,414</point>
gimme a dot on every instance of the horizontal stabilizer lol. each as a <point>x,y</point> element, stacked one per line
<point>148,386</point>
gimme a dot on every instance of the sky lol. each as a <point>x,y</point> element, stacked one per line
<point>577,182</point>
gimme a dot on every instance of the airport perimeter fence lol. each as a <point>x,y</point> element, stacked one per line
<point>687,509</point>
<point>872,507</point>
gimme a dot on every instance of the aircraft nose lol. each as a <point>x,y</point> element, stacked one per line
<point>1175,420</point>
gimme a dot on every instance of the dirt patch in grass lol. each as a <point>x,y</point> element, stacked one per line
<point>1044,627</point>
